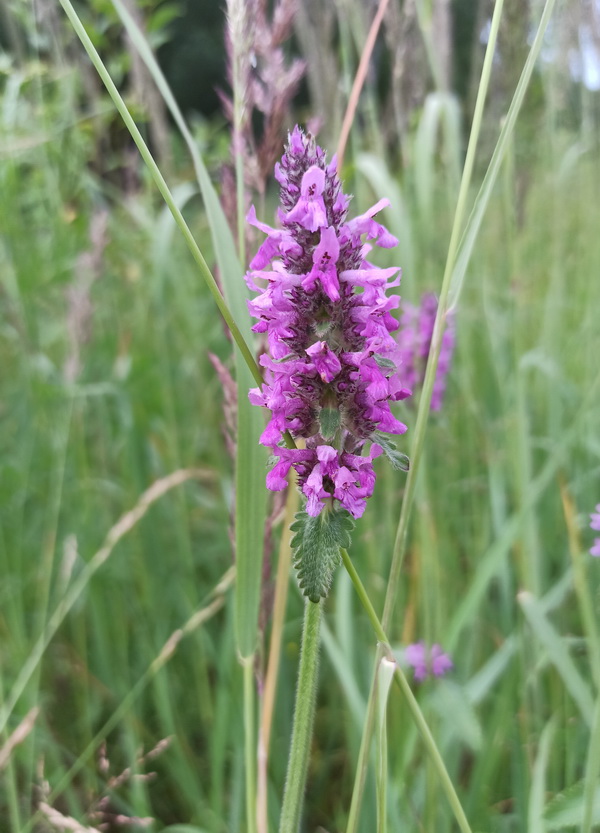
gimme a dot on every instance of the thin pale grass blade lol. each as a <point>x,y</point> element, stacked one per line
<point>251,496</point>
<point>359,80</point>
<point>18,736</point>
<point>535,811</point>
<point>471,231</point>
<point>558,655</point>
<point>385,675</point>
<point>441,114</point>
<point>64,823</point>
<point>121,528</point>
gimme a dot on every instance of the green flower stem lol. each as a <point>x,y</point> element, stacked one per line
<point>413,706</point>
<point>293,797</point>
<point>162,187</point>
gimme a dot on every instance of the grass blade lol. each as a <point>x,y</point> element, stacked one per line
<point>385,675</point>
<point>558,655</point>
<point>538,786</point>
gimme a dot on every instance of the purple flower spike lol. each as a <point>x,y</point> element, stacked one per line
<point>414,340</point>
<point>426,662</point>
<point>333,366</point>
<point>595,525</point>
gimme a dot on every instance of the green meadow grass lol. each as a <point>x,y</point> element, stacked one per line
<point>496,568</point>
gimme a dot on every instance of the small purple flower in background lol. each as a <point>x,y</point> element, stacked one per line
<point>595,525</point>
<point>333,365</point>
<point>425,662</point>
<point>414,339</point>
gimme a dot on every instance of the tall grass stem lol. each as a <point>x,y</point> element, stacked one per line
<point>295,783</point>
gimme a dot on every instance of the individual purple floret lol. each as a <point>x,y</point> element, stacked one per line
<point>425,662</point>
<point>414,339</point>
<point>595,525</point>
<point>333,365</point>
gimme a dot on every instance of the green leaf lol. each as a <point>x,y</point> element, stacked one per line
<point>399,461</point>
<point>316,546</point>
<point>330,420</point>
<point>388,364</point>
<point>565,810</point>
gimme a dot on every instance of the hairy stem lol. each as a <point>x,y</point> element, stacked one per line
<point>293,797</point>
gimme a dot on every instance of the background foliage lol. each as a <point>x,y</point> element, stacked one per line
<point>107,385</point>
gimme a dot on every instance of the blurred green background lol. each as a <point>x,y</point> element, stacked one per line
<point>107,385</point>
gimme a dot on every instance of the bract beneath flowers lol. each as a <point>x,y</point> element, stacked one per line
<point>333,365</point>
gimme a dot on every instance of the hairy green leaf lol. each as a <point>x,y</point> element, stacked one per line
<point>399,461</point>
<point>316,545</point>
